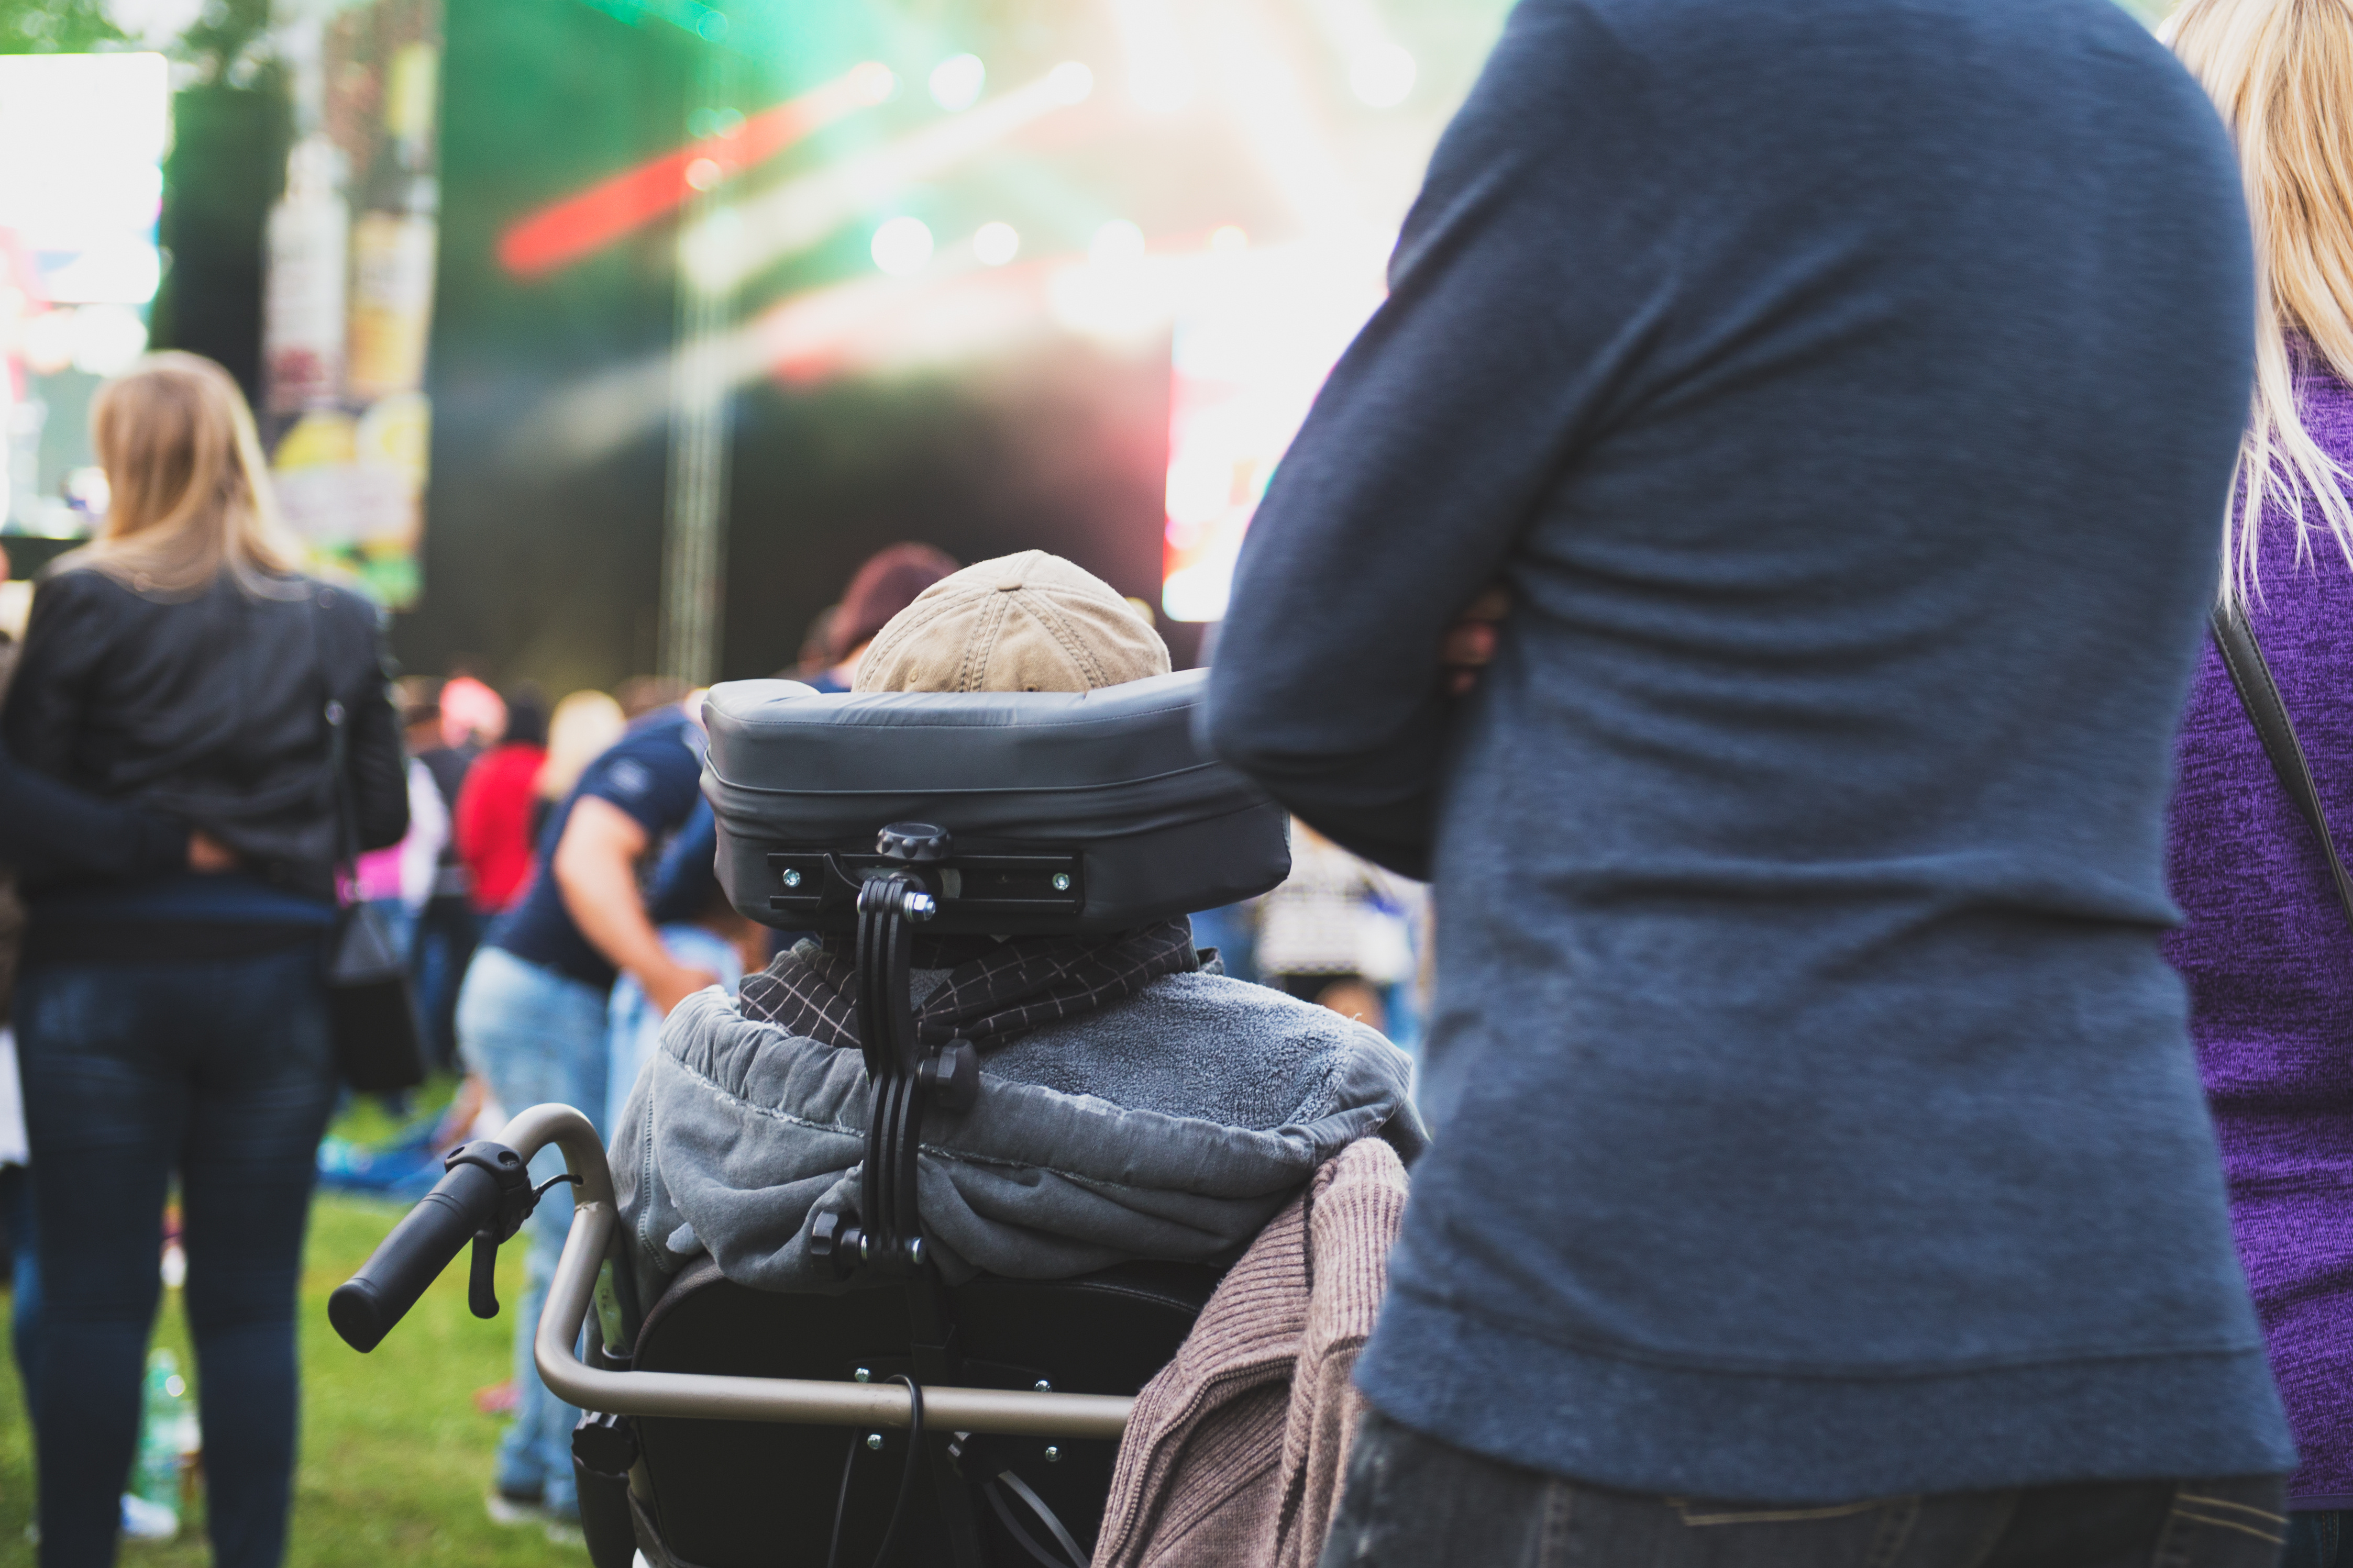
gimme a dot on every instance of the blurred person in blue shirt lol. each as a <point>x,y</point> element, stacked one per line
<point>532,1019</point>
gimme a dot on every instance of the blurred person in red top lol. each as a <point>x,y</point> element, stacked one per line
<point>497,807</point>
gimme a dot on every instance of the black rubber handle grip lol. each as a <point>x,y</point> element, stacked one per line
<point>365,1307</point>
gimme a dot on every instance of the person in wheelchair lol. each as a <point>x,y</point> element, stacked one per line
<point>1132,1101</point>
<point>1105,1123</point>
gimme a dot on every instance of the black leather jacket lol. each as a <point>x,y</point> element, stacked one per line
<point>212,711</point>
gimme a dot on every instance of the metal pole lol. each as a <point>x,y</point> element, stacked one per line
<point>694,519</point>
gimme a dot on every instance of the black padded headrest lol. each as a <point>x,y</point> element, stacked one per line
<point>1066,811</point>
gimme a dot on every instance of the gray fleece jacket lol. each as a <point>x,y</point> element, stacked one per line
<point>1170,1125</point>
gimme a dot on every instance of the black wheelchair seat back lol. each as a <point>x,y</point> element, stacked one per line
<point>739,1494</point>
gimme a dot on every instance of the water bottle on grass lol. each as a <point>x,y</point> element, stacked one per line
<point>150,1510</point>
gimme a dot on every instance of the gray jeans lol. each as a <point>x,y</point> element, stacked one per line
<point>1412,1502</point>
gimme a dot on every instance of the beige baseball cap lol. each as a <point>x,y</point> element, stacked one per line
<point>1032,622</point>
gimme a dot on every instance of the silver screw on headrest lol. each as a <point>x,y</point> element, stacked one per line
<point>1053,1455</point>
<point>792,879</point>
<point>863,1375</point>
<point>1061,881</point>
<point>874,1441</point>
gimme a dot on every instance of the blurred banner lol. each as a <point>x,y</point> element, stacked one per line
<point>83,139</point>
<point>350,298</point>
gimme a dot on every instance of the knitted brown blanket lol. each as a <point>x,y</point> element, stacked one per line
<point>1234,1453</point>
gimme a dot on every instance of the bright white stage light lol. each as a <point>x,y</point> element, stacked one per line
<point>1116,243</point>
<point>1228,240</point>
<point>994,244</point>
<point>1163,87</point>
<point>901,246</point>
<point>1071,81</point>
<point>1382,77</point>
<point>1159,65</point>
<point>958,81</point>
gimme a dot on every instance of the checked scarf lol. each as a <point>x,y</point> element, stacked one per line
<point>1004,989</point>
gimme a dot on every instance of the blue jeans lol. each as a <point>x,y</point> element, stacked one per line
<point>221,1070</point>
<point>2318,1539</point>
<point>633,1026</point>
<point>537,1035</point>
<point>1412,1502</point>
<point>446,934</point>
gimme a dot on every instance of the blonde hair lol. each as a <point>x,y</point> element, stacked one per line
<point>2281,71</point>
<point>189,491</point>
<point>582,726</point>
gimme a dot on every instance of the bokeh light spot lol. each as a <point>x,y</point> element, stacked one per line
<point>994,244</point>
<point>1071,81</point>
<point>957,80</point>
<point>1382,77</point>
<point>1116,243</point>
<point>901,246</point>
<point>1228,240</point>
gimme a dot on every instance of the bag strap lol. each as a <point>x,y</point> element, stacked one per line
<point>346,810</point>
<point>2243,656</point>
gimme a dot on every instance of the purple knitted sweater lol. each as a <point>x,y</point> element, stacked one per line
<point>2268,956</point>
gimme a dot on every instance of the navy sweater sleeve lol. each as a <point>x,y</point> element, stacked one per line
<point>51,831</point>
<point>64,640</point>
<point>1528,274</point>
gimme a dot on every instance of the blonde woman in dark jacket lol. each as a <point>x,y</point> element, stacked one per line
<point>174,1022</point>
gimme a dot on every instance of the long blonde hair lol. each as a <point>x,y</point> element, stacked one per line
<point>2281,71</point>
<point>189,492</point>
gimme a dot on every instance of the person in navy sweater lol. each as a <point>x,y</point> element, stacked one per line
<point>1844,396</point>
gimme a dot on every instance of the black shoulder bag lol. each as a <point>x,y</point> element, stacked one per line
<point>370,1002</point>
<point>2243,656</point>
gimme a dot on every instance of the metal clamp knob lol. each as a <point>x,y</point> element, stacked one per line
<point>912,843</point>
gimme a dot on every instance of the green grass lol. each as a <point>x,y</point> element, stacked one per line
<point>396,1458</point>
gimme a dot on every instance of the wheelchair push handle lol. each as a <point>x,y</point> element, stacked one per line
<point>483,1198</point>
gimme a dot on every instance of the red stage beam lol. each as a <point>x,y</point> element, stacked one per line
<point>559,235</point>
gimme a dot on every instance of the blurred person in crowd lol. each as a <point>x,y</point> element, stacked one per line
<point>1338,930</point>
<point>51,832</point>
<point>473,716</point>
<point>816,648</point>
<point>16,1190</point>
<point>497,809</point>
<point>2265,944</point>
<point>583,725</point>
<point>448,927</point>
<point>400,878</point>
<point>643,694</point>
<point>172,1020</point>
<point>700,929</point>
<point>532,1020</point>
<point>1845,393</point>
<point>885,585</point>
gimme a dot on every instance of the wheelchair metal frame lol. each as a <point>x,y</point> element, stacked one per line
<point>595,1242</point>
